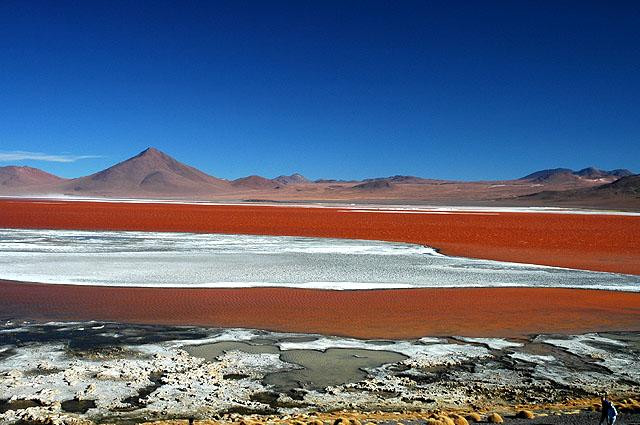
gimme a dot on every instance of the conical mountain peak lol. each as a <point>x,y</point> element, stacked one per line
<point>152,152</point>
<point>150,171</point>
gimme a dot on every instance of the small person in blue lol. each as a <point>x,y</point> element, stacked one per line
<point>608,411</point>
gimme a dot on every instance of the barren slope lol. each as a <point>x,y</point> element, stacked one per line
<point>18,177</point>
<point>151,172</point>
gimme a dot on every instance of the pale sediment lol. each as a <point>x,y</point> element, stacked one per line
<point>114,373</point>
<point>190,260</point>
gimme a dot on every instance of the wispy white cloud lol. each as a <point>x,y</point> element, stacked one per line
<point>7,156</point>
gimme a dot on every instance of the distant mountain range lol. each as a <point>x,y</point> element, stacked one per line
<point>565,174</point>
<point>259,182</point>
<point>154,174</point>
<point>625,191</point>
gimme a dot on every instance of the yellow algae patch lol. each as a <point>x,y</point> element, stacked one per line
<point>494,418</point>
<point>446,420</point>
<point>346,421</point>
<point>460,420</point>
<point>629,406</point>
<point>525,414</point>
<point>474,417</point>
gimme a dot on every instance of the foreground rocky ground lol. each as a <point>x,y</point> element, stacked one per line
<point>77,373</point>
<point>570,414</point>
<point>566,416</point>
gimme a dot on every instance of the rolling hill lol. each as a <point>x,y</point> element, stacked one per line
<point>18,177</point>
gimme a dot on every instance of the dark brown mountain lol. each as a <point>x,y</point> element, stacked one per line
<point>254,183</point>
<point>403,180</point>
<point>18,177</point>
<point>622,193</point>
<point>566,175</point>
<point>334,181</point>
<point>544,175</point>
<point>374,185</point>
<point>149,172</point>
<point>628,186</point>
<point>292,179</point>
<point>621,172</point>
<point>592,173</point>
<point>258,182</point>
<point>553,176</point>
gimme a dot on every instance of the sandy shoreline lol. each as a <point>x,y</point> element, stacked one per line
<point>591,242</point>
<point>362,314</point>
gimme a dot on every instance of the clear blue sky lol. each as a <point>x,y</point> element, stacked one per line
<point>336,89</point>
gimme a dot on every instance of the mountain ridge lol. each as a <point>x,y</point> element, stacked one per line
<point>16,176</point>
<point>591,173</point>
<point>150,171</point>
<point>154,174</point>
<point>625,189</point>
